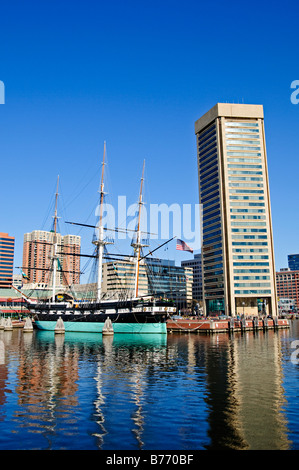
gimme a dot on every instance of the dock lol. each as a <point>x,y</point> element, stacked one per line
<point>211,326</point>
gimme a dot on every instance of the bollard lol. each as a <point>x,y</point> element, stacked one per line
<point>108,327</point>
<point>28,327</point>
<point>255,322</point>
<point>231,324</point>
<point>59,328</point>
<point>8,324</point>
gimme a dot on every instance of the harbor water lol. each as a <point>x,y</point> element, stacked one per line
<point>152,392</point>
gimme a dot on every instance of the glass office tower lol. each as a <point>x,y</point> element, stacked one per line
<point>237,244</point>
<point>293,261</point>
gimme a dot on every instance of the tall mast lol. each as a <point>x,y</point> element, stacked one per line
<point>138,235</point>
<point>55,244</point>
<point>100,241</point>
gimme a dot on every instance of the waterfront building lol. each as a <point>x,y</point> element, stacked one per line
<point>17,281</point>
<point>237,242</point>
<point>171,281</point>
<point>38,258</point>
<point>286,306</point>
<point>293,262</point>
<point>7,246</point>
<point>156,277</point>
<point>119,278</point>
<point>11,303</point>
<point>288,285</point>
<point>195,264</point>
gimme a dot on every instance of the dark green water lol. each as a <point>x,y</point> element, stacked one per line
<point>131,392</point>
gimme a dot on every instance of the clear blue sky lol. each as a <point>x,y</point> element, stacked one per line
<point>138,75</point>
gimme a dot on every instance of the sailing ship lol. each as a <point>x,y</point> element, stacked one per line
<point>135,314</point>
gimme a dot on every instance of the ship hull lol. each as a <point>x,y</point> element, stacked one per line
<point>97,327</point>
<point>126,317</point>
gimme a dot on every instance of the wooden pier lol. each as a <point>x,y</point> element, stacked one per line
<point>211,326</point>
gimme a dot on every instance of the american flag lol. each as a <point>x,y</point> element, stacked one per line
<point>181,245</point>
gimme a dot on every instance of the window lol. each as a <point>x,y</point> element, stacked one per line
<point>230,147</point>
<point>242,142</point>
<point>250,135</point>
<point>248,198</point>
<point>251,264</point>
<point>251,270</point>
<point>212,230</point>
<point>231,172</point>
<point>241,224</point>
<point>245,185</point>
<point>241,124</point>
<point>249,211</point>
<point>244,178</point>
<point>250,250</point>
<point>214,198</point>
<point>251,284</point>
<point>252,217</point>
<point>244,166</point>
<point>255,257</point>
<point>209,192</point>
<point>248,204</point>
<point>246,160</point>
<point>212,221</point>
<point>258,292</point>
<point>246,191</point>
<point>250,230</point>
<point>206,132</point>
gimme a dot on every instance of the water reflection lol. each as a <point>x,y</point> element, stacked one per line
<point>85,391</point>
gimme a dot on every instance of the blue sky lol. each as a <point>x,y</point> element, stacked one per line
<point>138,75</point>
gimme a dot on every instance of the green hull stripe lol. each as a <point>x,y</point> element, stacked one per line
<point>97,327</point>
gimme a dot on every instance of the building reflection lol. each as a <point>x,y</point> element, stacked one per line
<point>213,392</point>
<point>244,392</point>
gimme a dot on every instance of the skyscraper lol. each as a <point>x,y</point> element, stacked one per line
<point>237,244</point>
<point>293,262</point>
<point>7,246</point>
<point>37,258</point>
<point>195,264</point>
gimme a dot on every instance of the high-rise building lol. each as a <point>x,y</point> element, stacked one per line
<point>7,246</point>
<point>237,242</point>
<point>288,285</point>
<point>38,258</point>
<point>195,264</point>
<point>293,262</point>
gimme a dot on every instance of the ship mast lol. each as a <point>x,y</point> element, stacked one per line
<point>138,245</point>
<point>100,241</point>
<point>55,244</point>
